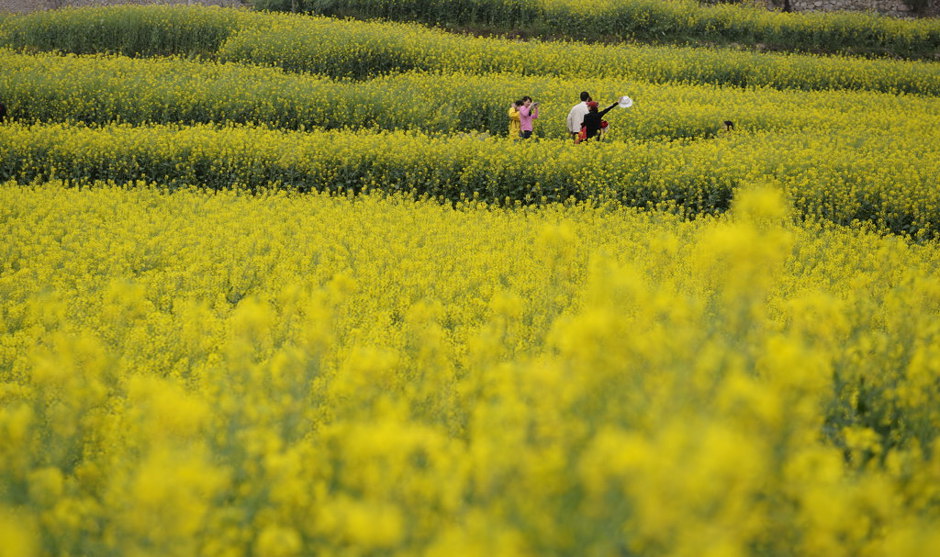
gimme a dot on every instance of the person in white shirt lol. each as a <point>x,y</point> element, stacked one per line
<point>576,115</point>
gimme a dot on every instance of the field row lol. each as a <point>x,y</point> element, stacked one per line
<point>218,374</point>
<point>299,295</point>
<point>356,49</point>
<point>652,21</point>
<point>367,49</point>
<point>885,180</point>
<point>98,90</point>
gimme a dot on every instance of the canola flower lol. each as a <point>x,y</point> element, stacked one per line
<point>357,49</point>
<point>198,373</point>
<point>885,179</point>
<point>150,30</point>
<point>684,22</point>
<point>103,89</point>
<point>252,371</point>
<point>162,30</point>
<point>365,49</point>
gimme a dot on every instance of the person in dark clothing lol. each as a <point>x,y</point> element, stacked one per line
<point>3,112</point>
<point>593,120</point>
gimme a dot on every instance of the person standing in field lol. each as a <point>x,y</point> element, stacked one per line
<point>514,120</point>
<point>594,120</point>
<point>527,112</point>
<point>576,116</point>
<point>3,112</point>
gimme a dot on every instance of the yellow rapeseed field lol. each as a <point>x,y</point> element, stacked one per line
<point>885,179</point>
<point>217,373</point>
<point>292,291</point>
<point>101,89</point>
<point>363,49</point>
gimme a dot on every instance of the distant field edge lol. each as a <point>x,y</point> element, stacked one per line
<point>681,22</point>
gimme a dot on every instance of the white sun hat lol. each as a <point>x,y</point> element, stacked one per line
<point>625,102</point>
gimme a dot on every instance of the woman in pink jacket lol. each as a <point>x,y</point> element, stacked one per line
<point>527,112</point>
